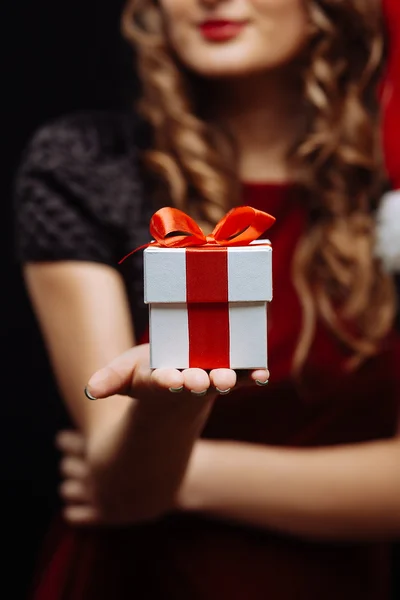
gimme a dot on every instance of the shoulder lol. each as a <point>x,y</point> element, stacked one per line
<point>90,157</point>
<point>79,180</point>
<point>82,139</point>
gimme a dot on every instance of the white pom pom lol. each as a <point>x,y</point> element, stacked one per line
<point>388,231</point>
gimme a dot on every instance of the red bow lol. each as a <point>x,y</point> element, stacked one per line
<point>172,228</point>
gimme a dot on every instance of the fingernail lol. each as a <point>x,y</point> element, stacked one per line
<point>89,395</point>
<point>223,392</point>
<point>176,390</point>
<point>262,383</point>
<point>203,393</point>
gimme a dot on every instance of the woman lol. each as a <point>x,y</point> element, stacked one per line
<point>190,484</point>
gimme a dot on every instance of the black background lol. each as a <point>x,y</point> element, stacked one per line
<point>56,58</point>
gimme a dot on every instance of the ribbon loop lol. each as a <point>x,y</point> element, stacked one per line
<point>172,228</point>
<point>241,226</point>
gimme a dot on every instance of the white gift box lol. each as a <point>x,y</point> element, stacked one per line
<point>208,305</point>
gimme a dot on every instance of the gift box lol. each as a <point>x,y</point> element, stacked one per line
<point>208,295</point>
<point>208,307</point>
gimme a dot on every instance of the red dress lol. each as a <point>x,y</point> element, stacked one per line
<point>191,557</point>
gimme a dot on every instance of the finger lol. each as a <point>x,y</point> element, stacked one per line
<point>196,380</point>
<point>119,375</point>
<point>72,467</point>
<point>167,379</point>
<point>260,376</point>
<point>82,515</point>
<point>75,491</point>
<point>223,380</point>
<point>71,442</point>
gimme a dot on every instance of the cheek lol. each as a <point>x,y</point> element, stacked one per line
<point>169,7</point>
<point>177,14</point>
<point>284,24</point>
<point>291,12</point>
<point>175,11</point>
<point>285,5</point>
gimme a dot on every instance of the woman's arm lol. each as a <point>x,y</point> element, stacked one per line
<point>343,492</point>
<point>83,316</point>
<point>138,447</point>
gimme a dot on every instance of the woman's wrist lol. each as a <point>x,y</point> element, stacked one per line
<point>146,442</point>
<point>191,496</point>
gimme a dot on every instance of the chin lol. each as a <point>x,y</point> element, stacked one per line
<point>235,69</point>
<point>219,71</point>
<point>230,62</point>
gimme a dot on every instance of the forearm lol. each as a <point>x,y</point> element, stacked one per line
<point>141,456</point>
<point>344,492</point>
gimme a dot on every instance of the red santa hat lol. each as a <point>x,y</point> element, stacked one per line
<point>388,215</point>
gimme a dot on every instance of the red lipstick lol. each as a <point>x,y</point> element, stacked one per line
<point>221,30</point>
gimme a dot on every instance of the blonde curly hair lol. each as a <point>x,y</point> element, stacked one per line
<point>337,160</point>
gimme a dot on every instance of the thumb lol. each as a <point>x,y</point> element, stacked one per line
<point>118,376</point>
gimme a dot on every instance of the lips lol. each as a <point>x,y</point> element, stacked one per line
<point>221,30</point>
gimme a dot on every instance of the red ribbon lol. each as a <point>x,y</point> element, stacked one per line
<point>172,228</point>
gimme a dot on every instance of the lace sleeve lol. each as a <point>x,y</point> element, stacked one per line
<point>60,205</point>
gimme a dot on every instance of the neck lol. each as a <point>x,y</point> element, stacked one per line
<point>263,116</point>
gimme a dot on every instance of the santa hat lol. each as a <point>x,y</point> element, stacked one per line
<point>388,215</point>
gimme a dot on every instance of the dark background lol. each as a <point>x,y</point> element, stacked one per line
<point>56,58</point>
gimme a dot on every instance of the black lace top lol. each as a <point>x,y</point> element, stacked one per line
<point>80,196</point>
